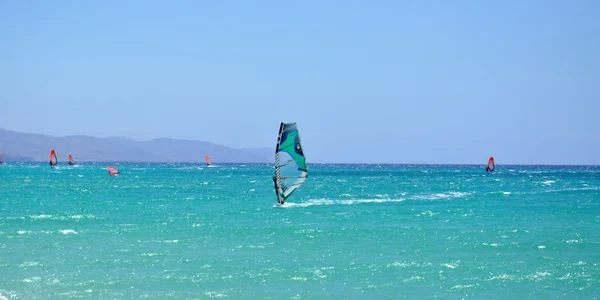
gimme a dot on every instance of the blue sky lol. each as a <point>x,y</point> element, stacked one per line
<point>366,81</point>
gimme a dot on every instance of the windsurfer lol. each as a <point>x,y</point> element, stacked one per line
<point>278,190</point>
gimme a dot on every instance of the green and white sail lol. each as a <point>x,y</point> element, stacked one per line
<point>290,163</point>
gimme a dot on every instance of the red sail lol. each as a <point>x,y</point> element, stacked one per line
<point>53,158</point>
<point>491,164</point>
<point>112,171</point>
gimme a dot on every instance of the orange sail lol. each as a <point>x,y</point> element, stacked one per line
<point>1,161</point>
<point>53,158</point>
<point>491,165</point>
<point>71,162</point>
<point>208,160</point>
<point>112,171</point>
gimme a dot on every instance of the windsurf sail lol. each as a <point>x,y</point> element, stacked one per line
<point>112,171</point>
<point>53,158</point>
<point>1,161</point>
<point>208,160</point>
<point>490,166</point>
<point>71,162</point>
<point>290,163</point>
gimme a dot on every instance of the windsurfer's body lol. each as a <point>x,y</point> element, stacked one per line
<point>278,190</point>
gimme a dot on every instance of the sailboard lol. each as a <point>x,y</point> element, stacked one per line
<point>71,162</point>
<point>1,160</point>
<point>290,163</point>
<point>112,171</point>
<point>208,160</point>
<point>53,158</point>
<point>491,165</point>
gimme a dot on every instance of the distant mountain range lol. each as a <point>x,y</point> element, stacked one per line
<point>18,146</point>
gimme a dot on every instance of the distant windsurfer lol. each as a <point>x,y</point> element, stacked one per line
<point>490,165</point>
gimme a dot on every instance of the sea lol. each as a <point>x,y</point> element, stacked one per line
<point>191,231</point>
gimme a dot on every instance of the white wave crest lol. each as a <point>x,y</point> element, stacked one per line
<point>319,202</point>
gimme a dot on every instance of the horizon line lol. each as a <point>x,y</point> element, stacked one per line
<point>315,163</point>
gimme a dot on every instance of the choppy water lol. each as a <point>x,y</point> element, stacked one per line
<point>351,231</point>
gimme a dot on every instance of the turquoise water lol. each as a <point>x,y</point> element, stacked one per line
<point>178,231</point>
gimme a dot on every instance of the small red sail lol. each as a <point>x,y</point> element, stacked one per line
<point>71,162</point>
<point>491,165</point>
<point>112,171</point>
<point>208,160</point>
<point>53,158</point>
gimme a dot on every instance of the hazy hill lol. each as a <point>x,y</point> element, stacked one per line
<point>266,152</point>
<point>29,146</point>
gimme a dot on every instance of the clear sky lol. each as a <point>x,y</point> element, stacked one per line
<point>366,81</point>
